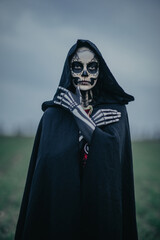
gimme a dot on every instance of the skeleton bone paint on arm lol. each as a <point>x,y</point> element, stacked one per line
<point>71,102</point>
<point>85,124</point>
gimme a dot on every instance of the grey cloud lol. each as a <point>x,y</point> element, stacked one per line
<point>36,36</point>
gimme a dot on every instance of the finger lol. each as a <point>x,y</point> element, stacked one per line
<point>111,110</point>
<point>100,115</point>
<point>106,123</point>
<point>78,92</point>
<point>111,117</point>
<point>62,104</point>
<point>111,113</point>
<point>65,106</point>
<point>103,114</point>
<point>79,95</point>
<point>63,89</point>
<point>111,121</point>
<point>106,110</point>
<point>66,96</point>
<point>56,102</point>
<point>59,97</point>
<point>63,100</point>
<point>104,119</point>
<point>98,112</point>
<point>77,89</point>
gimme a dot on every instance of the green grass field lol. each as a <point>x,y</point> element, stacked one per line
<point>14,159</point>
<point>147,187</point>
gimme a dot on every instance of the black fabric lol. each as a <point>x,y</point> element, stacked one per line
<point>59,204</point>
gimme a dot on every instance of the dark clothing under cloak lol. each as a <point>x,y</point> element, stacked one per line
<point>58,204</point>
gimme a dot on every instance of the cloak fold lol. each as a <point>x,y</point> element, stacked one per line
<point>57,204</point>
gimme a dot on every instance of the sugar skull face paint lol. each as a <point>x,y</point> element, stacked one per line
<point>84,69</point>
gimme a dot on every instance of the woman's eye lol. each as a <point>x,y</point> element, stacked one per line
<point>77,67</point>
<point>92,68</point>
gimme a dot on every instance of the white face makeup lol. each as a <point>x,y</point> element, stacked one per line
<point>84,69</point>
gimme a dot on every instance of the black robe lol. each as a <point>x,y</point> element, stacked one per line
<point>58,204</point>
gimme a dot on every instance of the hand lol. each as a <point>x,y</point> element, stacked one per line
<point>105,117</point>
<point>73,102</point>
<point>68,99</point>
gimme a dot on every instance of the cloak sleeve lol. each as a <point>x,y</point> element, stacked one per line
<point>24,204</point>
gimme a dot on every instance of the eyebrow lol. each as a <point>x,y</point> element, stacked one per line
<point>94,59</point>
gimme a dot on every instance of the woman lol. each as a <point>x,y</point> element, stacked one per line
<point>80,178</point>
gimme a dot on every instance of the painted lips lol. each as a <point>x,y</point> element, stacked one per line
<point>84,82</point>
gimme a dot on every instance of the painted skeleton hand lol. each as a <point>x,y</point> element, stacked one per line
<point>105,117</point>
<point>86,124</point>
<point>67,99</point>
<point>72,102</point>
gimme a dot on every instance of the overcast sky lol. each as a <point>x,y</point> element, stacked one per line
<point>35,37</point>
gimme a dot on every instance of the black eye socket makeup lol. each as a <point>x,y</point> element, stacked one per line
<point>77,67</point>
<point>92,67</point>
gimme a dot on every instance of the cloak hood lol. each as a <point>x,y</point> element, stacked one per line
<point>107,90</point>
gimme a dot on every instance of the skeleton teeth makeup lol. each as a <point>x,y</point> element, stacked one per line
<point>84,69</point>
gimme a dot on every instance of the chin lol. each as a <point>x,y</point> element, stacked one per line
<point>85,87</point>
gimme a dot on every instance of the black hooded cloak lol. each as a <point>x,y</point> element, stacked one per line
<point>57,204</point>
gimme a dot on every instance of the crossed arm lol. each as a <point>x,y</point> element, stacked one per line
<point>86,124</point>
